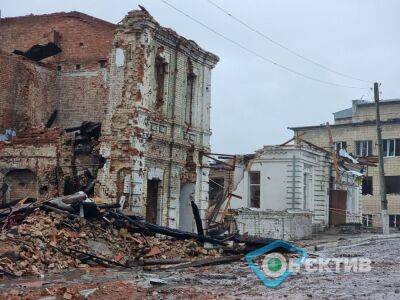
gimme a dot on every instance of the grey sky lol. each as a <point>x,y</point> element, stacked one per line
<point>253,102</point>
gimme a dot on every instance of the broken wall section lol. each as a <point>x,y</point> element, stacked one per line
<point>82,96</point>
<point>84,40</point>
<point>34,164</point>
<point>145,135</point>
<point>27,95</point>
<point>286,225</point>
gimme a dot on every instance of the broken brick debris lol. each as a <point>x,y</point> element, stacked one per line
<point>43,240</point>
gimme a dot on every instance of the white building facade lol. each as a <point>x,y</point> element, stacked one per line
<point>296,179</point>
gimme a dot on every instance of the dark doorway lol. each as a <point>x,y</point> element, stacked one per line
<point>122,189</point>
<point>152,200</point>
<point>337,207</point>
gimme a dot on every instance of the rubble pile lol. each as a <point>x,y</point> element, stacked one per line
<point>49,241</point>
<point>74,231</point>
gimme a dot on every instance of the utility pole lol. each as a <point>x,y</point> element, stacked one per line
<point>382,183</point>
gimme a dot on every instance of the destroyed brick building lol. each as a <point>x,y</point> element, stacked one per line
<point>66,75</point>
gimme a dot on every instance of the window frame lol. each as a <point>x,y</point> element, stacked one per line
<point>190,97</point>
<point>392,182</point>
<point>364,148</point>
<point>386,145</point>
<point>365,181</point>
<point>341,144</point>
<point>251,185</point>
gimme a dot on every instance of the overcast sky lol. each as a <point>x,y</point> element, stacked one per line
<point>253,101</point>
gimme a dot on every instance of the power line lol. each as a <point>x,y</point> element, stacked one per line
<point>283,46</point>
<point>259,55</point>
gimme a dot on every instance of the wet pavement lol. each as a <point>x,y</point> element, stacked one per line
<point>234,280</point>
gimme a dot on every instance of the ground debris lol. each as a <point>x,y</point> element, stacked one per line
<point>48,241</point>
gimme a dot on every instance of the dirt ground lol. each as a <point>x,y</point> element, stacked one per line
<point>222,282</point>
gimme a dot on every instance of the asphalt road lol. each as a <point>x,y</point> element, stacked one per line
<point>232,281</point>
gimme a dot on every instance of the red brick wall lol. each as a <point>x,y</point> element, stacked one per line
<point>27,93</point>
<point>73,28</point>
<point>79,95</point>
<point>82,97</point>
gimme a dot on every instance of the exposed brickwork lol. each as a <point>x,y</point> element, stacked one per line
<point>78,94</point>
<point>82,38</point>
<point>35,163</point>
<point>27,93</point>
<point>81,97</point>
<point>144,137</point>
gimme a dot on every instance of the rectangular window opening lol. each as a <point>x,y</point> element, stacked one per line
<point>191,79</point>
<point>394,221</point>
<point>340,145</point>
<point>392,184</point>
<point>254,177</point>
<point>367,220</point>
<point>160,71</point>
<point>363,148</point>
<point>391,147</point>
<point>367,188</point>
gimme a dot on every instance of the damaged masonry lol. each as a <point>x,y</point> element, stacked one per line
<point>109,187</point>
<point>139,101</point>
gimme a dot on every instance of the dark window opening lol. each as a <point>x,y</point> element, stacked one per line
<point>394,220</point>
<point>78,67</point>
<point>103,63</point>
<point>191,79</point>
<point>80,44</point>
<point>58,68</point>
<point>367,220</point>
<point>367,187</point>
<point>254,189</point>
<point>392,184</point>
<point>153,186</point>
<point>391,147</point>
<point>160,71</point>
<point>363,148</point>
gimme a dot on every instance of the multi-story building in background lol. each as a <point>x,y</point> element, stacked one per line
<point>355,130</point>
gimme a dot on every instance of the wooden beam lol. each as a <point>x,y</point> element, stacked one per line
<point>334,157</point>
